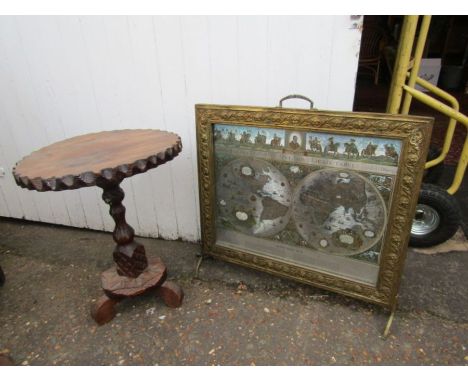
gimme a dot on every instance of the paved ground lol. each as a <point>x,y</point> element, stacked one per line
<point>230,316</point>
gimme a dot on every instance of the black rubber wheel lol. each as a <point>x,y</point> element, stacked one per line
<point>433,174</point>
<point>437,217</point>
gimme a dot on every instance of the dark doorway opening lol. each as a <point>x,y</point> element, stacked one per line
<point>447,48</point>
<point>447,42</point>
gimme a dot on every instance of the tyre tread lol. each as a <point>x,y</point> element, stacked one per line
<point>449,211</point>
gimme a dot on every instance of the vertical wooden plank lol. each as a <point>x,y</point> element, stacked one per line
<point>104,59</point>
<point>298,58</point>
<point>312,50</point>
<point>133,90</point>
<point>197,68</point>
<point>346,42</point>
<point>48,81</point>
<point>224,59</point>
<point>101,71</point>
<point>197,64</point>
<point>253,59</point>
<point>173,87</point>
<point>119,68</point>
<point>38,88</point>
<point>161,180</point>
<point>281,70</point>
<point>147,113</point>
<point>56,90</point>
<point>86,117</point>
<point>20,111</point>
<point>12,206</point>
<point>4,210</point>
<point>4,183</point>
<point>21,204</point>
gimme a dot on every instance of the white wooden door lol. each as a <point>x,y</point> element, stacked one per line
<point>64,76</point>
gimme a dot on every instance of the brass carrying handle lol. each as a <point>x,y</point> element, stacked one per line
<point>291,96</point>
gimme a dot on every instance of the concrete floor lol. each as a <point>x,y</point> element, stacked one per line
<point>230,315</point>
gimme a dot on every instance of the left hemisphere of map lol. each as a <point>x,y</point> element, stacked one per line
<point>253,197</point>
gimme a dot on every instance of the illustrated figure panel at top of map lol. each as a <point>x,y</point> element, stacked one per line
<point>338,146</point>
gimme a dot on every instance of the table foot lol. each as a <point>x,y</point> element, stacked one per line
<point>2,277</point>
<point>103,310</point>
<point>171,293</point>
<point>6,360</point>
<point>117,287</point>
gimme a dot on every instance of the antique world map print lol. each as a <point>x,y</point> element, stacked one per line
<point>316,199</point>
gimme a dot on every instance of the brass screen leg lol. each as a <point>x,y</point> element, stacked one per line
<point>197,267</point>
<point>201,257</point>
<point>389,322</point>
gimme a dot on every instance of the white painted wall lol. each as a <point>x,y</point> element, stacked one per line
<point>65,76</point>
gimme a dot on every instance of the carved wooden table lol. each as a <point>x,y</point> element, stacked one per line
<point>104,159</point>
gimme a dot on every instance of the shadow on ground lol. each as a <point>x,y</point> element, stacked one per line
<point>230,315</point>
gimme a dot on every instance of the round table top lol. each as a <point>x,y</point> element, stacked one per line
<point>84,160</point>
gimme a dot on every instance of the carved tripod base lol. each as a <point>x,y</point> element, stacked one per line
<point>117,288</point>
<point>133,273</point>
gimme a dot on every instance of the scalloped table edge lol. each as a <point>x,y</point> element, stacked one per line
<point>89,178</point>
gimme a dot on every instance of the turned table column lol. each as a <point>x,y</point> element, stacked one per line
<point>105,159</point>
<point>129,256</point>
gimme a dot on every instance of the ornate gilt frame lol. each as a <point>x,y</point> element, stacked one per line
<point>415,134</point>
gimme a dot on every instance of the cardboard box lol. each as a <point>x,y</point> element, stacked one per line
<point>430,71</point>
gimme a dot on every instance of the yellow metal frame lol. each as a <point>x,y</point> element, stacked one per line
<point>407,69</point>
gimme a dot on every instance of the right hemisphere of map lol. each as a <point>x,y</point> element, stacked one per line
<point>338,212</point>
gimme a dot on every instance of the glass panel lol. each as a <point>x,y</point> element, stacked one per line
<point>316,199</point>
